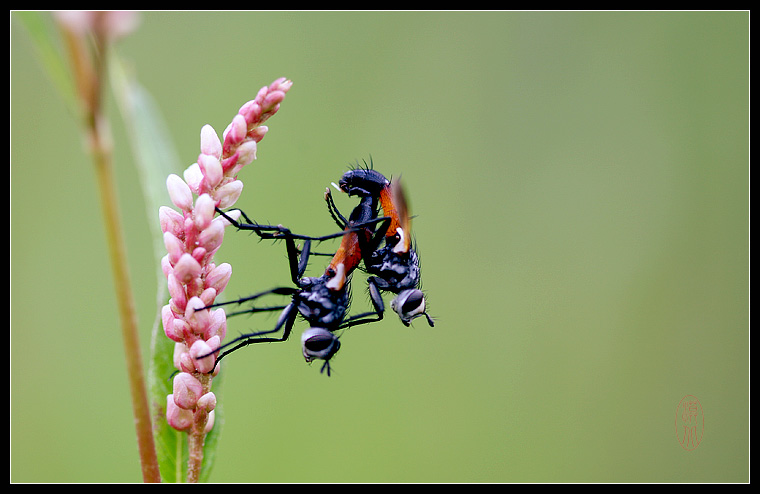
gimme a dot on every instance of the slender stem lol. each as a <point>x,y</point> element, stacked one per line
<point>104,172</point>
<point>89,80</point>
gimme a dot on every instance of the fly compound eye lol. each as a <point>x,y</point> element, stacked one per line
<point>409,304</point>
<point>319,343</point>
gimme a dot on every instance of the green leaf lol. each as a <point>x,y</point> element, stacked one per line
<point>156,158</point>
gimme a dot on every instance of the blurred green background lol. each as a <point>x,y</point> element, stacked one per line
<point>580,184</point>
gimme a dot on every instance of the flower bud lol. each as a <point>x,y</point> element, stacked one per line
<point>204,210</point>
<point>187,269</point>
<point>196,316</point>
<point>168,321</point>
<point>179,192</point>
<point>228,194</point>
<point>193,176</point>
<point>205,364</point>
<point>246,153</point>
<point>218,277</point>
<point>211,238</point>
<point>209,422</point>
<point>177,417</point>
<point>210,143</point>
<point>186,390</point>
<point>171,221</point>
<point>207,402</point>
<point>174,247</point>
<point>177,292</point>
<point>217,326</point>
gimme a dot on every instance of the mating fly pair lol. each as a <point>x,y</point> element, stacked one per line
<point>323,301</point>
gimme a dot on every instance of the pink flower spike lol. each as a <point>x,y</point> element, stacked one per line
<point>210,143</point>
<point>179,192</point>
<point>192,236</point>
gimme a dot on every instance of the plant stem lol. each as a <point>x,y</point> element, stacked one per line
<point>90,81</point>
<point>102,158</point>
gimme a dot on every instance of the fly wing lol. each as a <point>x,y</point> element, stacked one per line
<point>402,208</point>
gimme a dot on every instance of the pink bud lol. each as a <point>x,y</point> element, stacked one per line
<point>236,131</point>
<point>246,152</point>
<point>258,133</point>
<point>217,326</point>
<point>228,194</point>
<point>168,319</point>
<point>211,168</point>
<point>187,269</point>
<point>272,99</point>
<point>166,265</point>
<point>196,316</point>
<point>211,238</point>
<point>179,192</point>
<point>209,422</point>
<point>208,295</point>
<point>204,210</point>
<point>199,253</point>
<point>251,111</point>
<point>207,402</point>
<point>171,221</point>
<point>193,176</point>
<point>181,329</point>
<point>177,292</point>
<point>177,417</point>
<point>206,364</point>
<point>179,349</point>
<point>218,277</point>
<point>174,247</point>
<point>186,362</point>
<point>210,143</point>
<point>186,390</point>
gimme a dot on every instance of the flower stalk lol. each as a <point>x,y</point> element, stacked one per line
<point>89,69</point>
<point>192,236</point>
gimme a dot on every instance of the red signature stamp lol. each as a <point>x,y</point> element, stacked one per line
<point>690,423</point>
